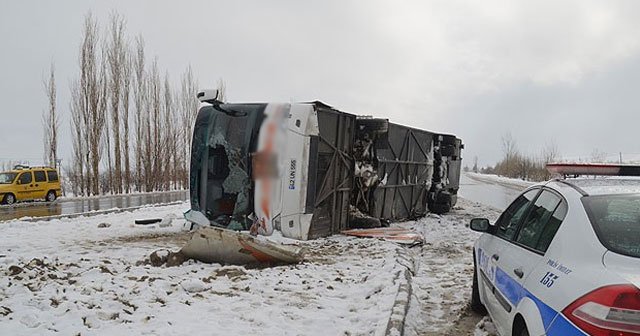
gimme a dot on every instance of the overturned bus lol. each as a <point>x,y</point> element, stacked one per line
<point>310,170</point>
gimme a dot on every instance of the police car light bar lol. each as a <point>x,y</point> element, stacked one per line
<point>593,169</point>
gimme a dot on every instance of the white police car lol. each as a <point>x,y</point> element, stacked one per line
<point>564,257</point>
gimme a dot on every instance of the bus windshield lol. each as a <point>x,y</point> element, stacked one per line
<point>220,183</point>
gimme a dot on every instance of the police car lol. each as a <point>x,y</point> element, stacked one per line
<point>564,257</point>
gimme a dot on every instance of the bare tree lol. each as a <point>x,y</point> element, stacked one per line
<point>189,108</point>
<point>127,68</point>
<point>103,130</point>
<point>598,156</point>
<point>509,147</point>
<point>116,58</point>
<point>92,89</point>
<point>168,138</point>
<point>50,120</point>
<point>153,151</point>
<point>140,100</point>
<point>77,171</point>
<point>550,153</point>
<point>176,140</point>
<point>510,152</point>
<point>91,96</point>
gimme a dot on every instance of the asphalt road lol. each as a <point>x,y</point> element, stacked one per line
<point>488,192</point>
<point>71,206</point>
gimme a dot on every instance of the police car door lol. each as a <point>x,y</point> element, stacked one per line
<point>525,251</point>
<point>532,240</point>
<point>500,246</point>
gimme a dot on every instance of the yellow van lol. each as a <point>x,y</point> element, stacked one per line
<point>29,183</point>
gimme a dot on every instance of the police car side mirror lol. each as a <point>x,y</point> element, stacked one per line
<point>480,224</point>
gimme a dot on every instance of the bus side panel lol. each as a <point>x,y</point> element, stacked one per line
<point>334,172</point>
<point>405,166</point>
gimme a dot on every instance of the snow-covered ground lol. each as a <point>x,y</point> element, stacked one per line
<point>91,275</point>
<point>444,269</point>
<point>72,276</point>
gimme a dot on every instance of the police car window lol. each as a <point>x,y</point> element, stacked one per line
<point>616,220</point>
<point>508,222</point>
<point>25,178</point>
<point>552,227</point>
<point>534,227</point>
<point>40,176</point>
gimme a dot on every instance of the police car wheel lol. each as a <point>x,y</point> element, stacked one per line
<point>476,304</point>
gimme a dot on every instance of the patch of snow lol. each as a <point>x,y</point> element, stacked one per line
<point>166,221</point>
<point>603,185</point>
<point>485,328</point>
<point>193,285</point>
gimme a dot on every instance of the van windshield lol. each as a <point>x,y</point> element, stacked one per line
<point>616,220</point>
<point>7,178</point>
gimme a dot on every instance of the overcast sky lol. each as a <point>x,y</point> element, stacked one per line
<point>561,71</point>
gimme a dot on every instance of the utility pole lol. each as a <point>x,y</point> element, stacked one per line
<point>620,157</point>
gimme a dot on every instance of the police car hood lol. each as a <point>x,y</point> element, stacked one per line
<point>626,267</point>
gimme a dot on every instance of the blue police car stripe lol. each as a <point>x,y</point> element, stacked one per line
<point>554,323</point>
<point>510,288</point>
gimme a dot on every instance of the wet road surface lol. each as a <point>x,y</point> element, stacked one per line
<point>488,192</point>
<point>72,206</point>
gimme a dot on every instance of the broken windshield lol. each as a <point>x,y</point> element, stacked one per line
<point>220,183</point>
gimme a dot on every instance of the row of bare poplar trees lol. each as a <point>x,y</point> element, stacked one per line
<point>131,128</point>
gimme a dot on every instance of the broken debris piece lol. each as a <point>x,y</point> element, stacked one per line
<point>166,257</point>
<point>392,234</point>
<point>212,244</point>
<point>159,257</point>
<point>148,221</point>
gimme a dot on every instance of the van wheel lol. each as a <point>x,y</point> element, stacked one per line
<point>9,199</point>
<point>51,196</point>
